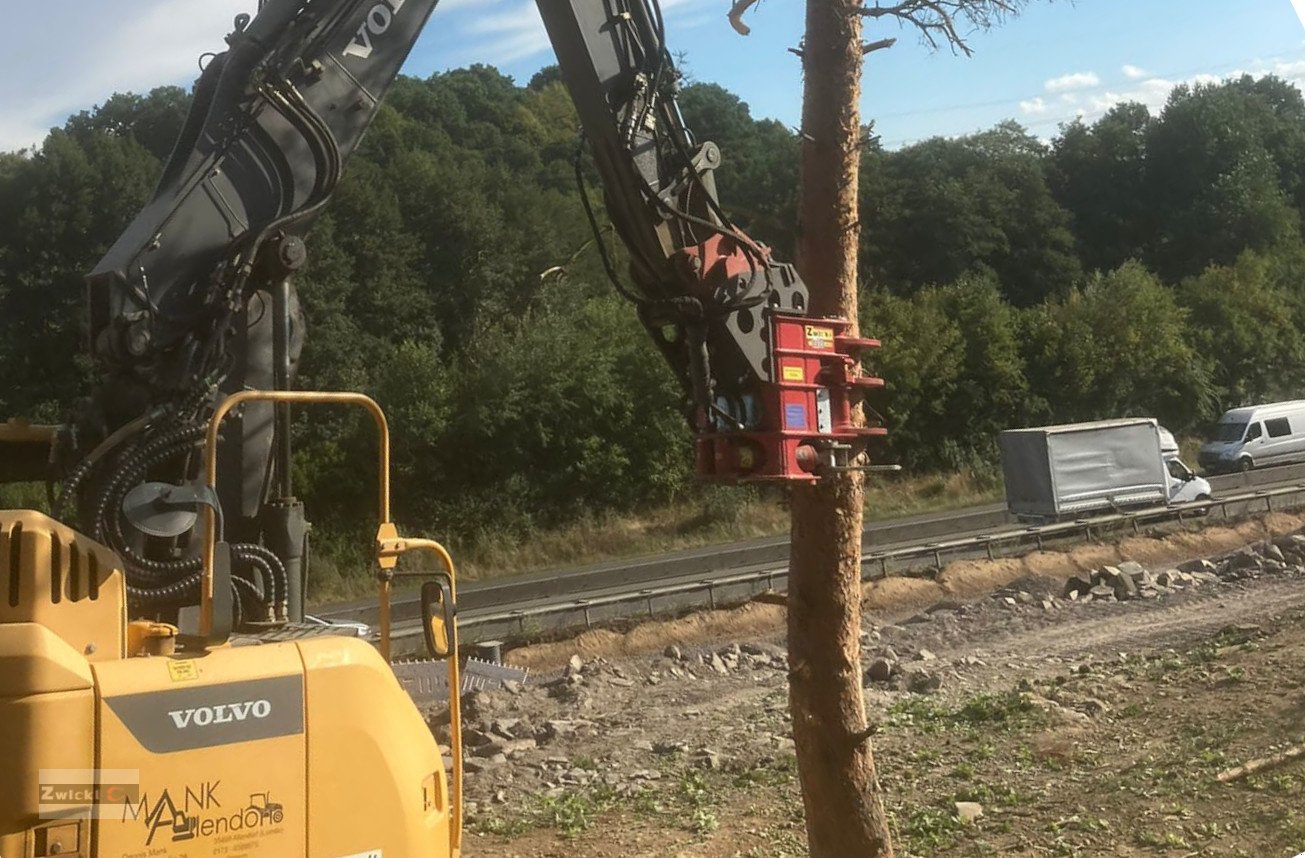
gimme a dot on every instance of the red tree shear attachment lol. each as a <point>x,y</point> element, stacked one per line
<point>804,427</point>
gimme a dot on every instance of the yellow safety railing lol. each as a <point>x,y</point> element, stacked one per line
<point>388,551</point>
<point>306,397</point>
<point>389,548</point>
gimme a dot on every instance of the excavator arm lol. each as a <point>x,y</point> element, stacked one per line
<point>769,392</point>
<point>194,301</point>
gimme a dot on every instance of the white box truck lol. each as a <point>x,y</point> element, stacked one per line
<point>1059,472</point>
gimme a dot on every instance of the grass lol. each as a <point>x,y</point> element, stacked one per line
<point>722,515</point>
<point>926,830</point>
<point>688,801</point>
<point>719,515</point>
<point>925,714</point>
<point>571,814</point>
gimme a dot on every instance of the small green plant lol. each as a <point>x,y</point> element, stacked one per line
<point>703,821</point>
<point>1284,784</point>
<point>572,813</point>
<point>508,827</point>
<point>1077,822</point>
<point>963,772</point>
<point>922,713</point>
<point>929,829</point>
<point>1166,840</point>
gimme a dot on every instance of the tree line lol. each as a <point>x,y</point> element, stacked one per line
<point>1136,265</point>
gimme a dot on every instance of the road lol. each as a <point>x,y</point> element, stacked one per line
<point>761,563</point>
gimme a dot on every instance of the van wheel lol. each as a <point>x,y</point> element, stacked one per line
<point>1245,465</point>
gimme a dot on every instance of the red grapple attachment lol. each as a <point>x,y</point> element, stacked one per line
<point>805,427</point>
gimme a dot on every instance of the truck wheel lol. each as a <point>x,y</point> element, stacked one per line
<point>1245,464</point>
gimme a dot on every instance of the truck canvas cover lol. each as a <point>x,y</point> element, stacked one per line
<point>1052,471</point>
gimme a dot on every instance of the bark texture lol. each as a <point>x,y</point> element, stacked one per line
<point>844,809</point>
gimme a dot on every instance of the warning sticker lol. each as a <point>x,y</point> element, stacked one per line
<point>183,670</point>
<point>820,339</point>
<point>795,417</point>
<point>794,373</point>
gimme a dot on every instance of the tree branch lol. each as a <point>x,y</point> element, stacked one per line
<point>871,47</point>
<point>940,21</point>
<point>736,16</point>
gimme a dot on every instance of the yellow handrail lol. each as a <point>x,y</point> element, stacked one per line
<point>210,454</point>
<point>390,549</point>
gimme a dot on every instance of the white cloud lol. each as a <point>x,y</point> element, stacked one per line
<point>514,33</point>
<point>98,48</point>
<point>1033,107</point>
<point>1089,103</point>
<point>518,31</point>
<point>1076,80</point>
<point>102,49</point>
<point>1294,71</point>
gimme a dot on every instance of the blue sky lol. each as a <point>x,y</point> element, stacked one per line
<point>1057,60</point>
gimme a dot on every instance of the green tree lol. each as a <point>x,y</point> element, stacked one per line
<point>1214,174</point>
<point>1244,327</point>
<point>1119,347</point>
<point>956,376</point>
<point>1098,173</point>
<point>949,207</point>
<point>154,120</point>
<point>59,211</point>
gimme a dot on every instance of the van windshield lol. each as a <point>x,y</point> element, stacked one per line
<point>1227,432</point>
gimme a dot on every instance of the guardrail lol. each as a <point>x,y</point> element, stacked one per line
<point>876,565</point>
<point>674,569</point>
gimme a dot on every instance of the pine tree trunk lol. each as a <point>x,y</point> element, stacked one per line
<point>844,809</point>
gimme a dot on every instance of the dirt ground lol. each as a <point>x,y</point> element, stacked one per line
<point>1080,729</point>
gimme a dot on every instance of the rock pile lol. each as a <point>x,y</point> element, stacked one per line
<point>920,676</point>
<point>1134,581</point>
<point>1284,555</point>
<point>727,660</point>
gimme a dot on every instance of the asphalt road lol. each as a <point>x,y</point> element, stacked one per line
<point>687,567</point>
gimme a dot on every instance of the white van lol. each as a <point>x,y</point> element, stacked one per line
<point>1183,484</point>
<point>1256,436</point>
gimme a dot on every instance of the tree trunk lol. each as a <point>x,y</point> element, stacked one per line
<point>844,809</point>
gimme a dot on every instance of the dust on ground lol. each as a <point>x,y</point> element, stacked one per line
<point>1080,729</point>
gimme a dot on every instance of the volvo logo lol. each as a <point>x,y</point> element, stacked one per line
<point>374,24</point>
<point>223,713</point>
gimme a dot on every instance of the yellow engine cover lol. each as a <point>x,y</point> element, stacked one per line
<point>295,749</point>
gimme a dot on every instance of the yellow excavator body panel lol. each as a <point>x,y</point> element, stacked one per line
<point>301,748</point>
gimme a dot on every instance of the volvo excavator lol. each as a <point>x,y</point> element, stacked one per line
<point>159,692</point>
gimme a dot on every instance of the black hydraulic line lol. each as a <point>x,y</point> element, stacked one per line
<point>608,265</point>
<point>281,381</point>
